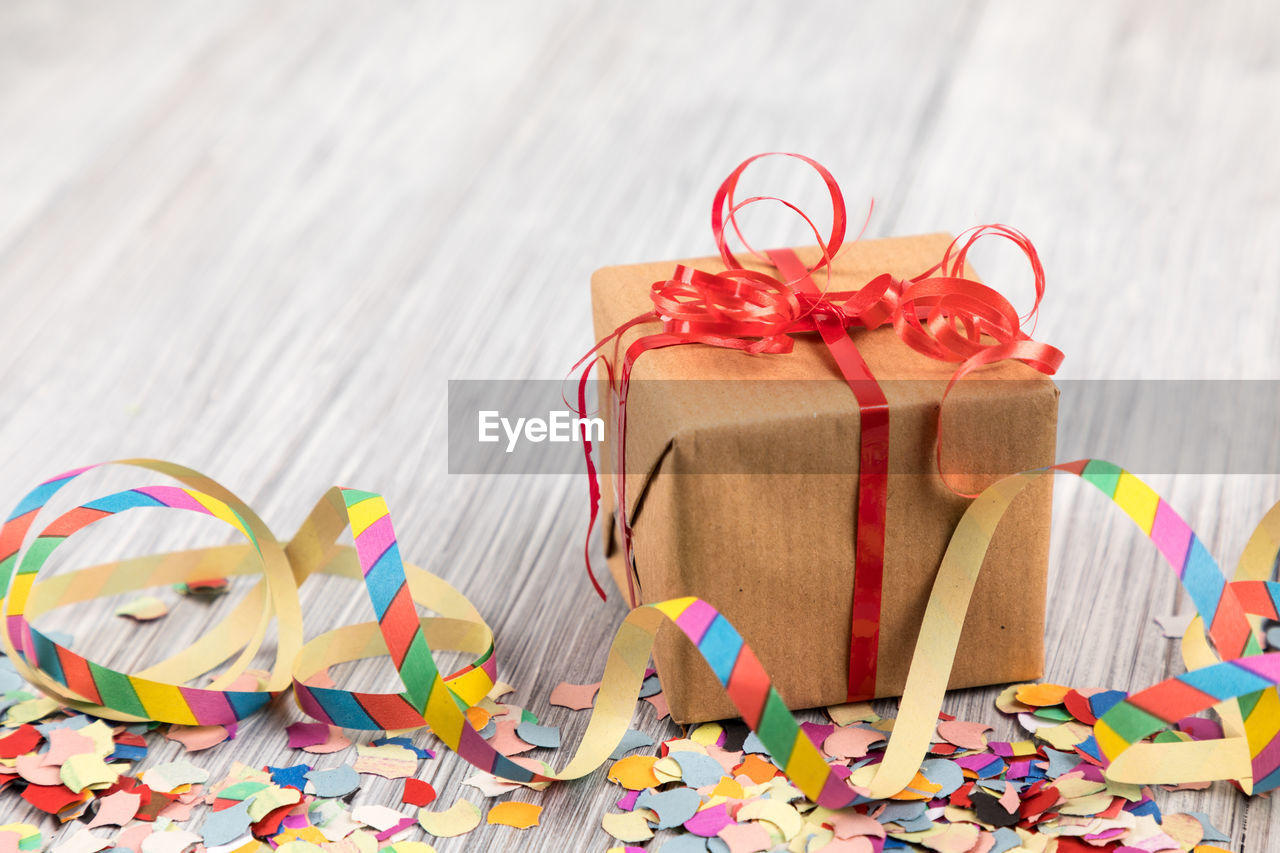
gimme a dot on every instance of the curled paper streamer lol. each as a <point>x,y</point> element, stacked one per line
<point>1228,670</point>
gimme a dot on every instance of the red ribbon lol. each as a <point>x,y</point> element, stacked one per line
<point>938,313</point>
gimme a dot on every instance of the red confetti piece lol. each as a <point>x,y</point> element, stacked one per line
<point>24,740</point>
<point>417,792</point>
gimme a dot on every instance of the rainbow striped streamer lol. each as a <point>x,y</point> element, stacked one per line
<point>1236,670</point>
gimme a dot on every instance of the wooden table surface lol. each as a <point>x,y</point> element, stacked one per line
<point>259,237</point>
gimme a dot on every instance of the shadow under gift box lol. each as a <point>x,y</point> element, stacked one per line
<point>742,490</point>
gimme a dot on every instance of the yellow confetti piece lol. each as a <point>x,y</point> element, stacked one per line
<point>270,799</point>
<point>299,846</point>
<point>1085,806</point>
<point>390,761</point>
<point>144,608</point>
<point>1183,828</point>
<point>30,711</point>
<point>707,733</point>
<point>730,788</point>
<point>635,773</point>
<point>779,814</point>
<point>629,826</point>
<point>667,770</point>
<point>1073,785</point>
<point>301,833</point>
<point>410,847</point>
<point>458,819</point>
<point>101,735</point>
<point>1022,748</point>
<point>1041,695</point>
<point>951,838</point>
<point>86,770</point>
<point>1064,737</point>
<point>519,815</point>
<point>1008,703</point>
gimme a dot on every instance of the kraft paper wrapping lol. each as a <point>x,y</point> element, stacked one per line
<point>772,548</point>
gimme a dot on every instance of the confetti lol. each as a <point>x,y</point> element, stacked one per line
<point>145,608</point>
<point>417,793</point>
<point>672,807</point>
<point>458,819</point>
<point>197,738</point>
<point>515,814</point>
<point>631,739</point>
<point>634,773</point>
<point>576,697</point>
<point>174,774</point>
<point>628,826</point>
<point>391,761</point>
<point>544,736</point>
<point>335,782</point>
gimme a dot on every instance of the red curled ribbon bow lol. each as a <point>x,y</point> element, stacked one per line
<point>939,313</point>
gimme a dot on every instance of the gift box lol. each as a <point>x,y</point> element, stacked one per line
<point>742,485</point>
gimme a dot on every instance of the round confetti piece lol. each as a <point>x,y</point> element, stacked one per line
<point>780,815</point>
<point>628,826</point>
<point>635,772</point>
<point>458,819</point>
<point>1040,695</point>
<point>515,814</point>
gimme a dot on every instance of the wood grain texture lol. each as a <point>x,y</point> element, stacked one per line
<point>258,237</point>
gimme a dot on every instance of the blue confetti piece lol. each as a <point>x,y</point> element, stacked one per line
<point>407,744</point>
<point>336,782</point>
<point>128,752</point>
<point>290,777</point>
<point>942,772</point>
<point>631,739</point>
<point>544,736</point>
<point>673,807</point>
<point>1145,807</point>
<point>1101,703</point>
<point>1061,762</point>
<point>697,768</point>
<point>1006,839</point>
<point>911,816</point>
<point>225,826</point>
<point>753,745</point>
<point>651,686</point>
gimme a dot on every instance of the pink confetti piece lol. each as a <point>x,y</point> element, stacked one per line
<point>196,738</point>
<point>116,809</point>
<point>64,743</point>
<point>628,801</point>
<point>817,732</point>
<point>575,697</point>
<point>505,739</point>
<point>851,741</point>
<point>709,821</point>
<point>964,735</point>
<point>848,824</point>
<point>747,838</point>
<point>659,703</point>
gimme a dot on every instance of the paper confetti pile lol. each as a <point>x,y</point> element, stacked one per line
<point>711,788</point>
<point>972,795</point>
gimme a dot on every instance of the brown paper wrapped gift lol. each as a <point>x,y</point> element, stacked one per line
<point>744,493</point>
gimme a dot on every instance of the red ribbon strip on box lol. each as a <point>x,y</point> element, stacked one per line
<point>939,313</point>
